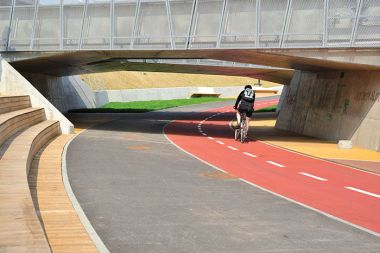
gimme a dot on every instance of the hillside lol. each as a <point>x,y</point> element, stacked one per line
<point>133,80</point>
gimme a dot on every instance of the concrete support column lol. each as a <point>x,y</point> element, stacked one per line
<point>333,105</point>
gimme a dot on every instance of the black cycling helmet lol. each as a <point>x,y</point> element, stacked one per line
<point>248,86</point>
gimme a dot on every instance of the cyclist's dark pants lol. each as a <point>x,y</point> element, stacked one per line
<point>247,112</point>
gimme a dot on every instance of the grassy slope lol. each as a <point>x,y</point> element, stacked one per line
<point>268,109</point>
<point>147,106</point>
<point>132,80</point>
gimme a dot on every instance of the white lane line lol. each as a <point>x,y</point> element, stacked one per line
<point>249,154</point>
<point>311,208</point>
<point>232,148</point>
<point>204,134</point>
<point>276,164</point>
<point>312,176</point>
<point>210,138</point>
<point>364,192</point>
<point>220,142</point>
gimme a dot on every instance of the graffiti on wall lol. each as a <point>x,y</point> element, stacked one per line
<point>290,98</point>
<point>346,105</point>
<point>368,96</point>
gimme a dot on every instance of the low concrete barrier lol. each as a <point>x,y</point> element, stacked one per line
<point>129,95</point>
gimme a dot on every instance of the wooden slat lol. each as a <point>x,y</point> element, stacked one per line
<point>20,229</point>
<point>63,228</point>
<point>12,122</point>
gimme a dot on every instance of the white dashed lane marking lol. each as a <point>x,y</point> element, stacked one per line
<point>232,148</point>
<point>312,176</point>
<point>204,134</point>
<point>276,164</point>
<point>249,154</point>
<point>362,191</point>
<point>211,138</point>
<point>220,142</point>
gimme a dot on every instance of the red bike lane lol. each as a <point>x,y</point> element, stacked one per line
<point>348,194</point>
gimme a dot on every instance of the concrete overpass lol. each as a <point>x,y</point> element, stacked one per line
<point>332,46</point>
<point>41,25</point>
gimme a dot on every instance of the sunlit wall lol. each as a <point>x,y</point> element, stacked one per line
<point>185,24</point>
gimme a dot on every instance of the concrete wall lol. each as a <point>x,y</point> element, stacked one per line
<point>103,97</point>
<point>334,106</point>
<point>65,93</point>
<point>13,83</point>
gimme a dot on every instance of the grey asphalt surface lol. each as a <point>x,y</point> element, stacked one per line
<point>142,194</point>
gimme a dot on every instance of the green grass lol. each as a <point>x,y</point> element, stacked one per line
<point>271,108</point>
<point>148,106</point>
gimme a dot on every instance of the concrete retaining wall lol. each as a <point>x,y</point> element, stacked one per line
<point>13,83</point>
<point>65,93</point>
<point>334,106</point>
<point>103,97</point>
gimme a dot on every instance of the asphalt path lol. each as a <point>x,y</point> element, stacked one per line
<point>141,193</point>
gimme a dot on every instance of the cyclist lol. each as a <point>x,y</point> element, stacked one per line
<point>244,103</point>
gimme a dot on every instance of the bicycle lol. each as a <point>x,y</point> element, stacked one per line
<point>242,130</point>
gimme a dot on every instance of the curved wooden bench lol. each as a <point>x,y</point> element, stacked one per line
<point>12,122</point>
<point>13,103</point>
<point>20,229</point>
<point>63,228</point>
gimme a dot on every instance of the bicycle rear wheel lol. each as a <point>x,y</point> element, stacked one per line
<point>243,131</point>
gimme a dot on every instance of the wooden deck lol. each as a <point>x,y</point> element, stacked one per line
<point>20,229</point>
<point>63,228</point>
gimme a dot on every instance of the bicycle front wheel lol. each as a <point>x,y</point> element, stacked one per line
<point>237,134</point>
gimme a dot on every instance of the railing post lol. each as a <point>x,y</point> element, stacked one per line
<point>34,25</point>
<point>134,31</point>
<point>191,28</point>
<point>258,22</point>
<point>10,25</point>
<point>325,18</point>
<point>285,28</point>
<point>355,27</point>
<point>61,25</point>
<point>170,22</point>
<point>222,20</point>
<point>112,25</point>
<point>83,24</point>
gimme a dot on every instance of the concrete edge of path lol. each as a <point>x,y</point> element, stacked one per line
<point>266,190</point>
<point>319,158</point>
<point>78,209</point>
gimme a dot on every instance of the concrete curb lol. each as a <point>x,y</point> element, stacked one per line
<point>82,216</point>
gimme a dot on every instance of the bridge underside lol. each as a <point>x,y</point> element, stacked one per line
<point>281,61</point>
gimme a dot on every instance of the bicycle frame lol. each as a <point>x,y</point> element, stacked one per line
<point>241,133</point>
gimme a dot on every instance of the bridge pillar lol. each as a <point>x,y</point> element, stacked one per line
<point>333,105</point>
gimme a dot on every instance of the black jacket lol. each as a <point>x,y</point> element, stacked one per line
<point>246,99</point>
